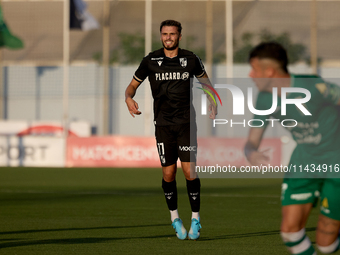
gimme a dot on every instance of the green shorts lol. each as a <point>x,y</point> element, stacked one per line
<point>309,190</point>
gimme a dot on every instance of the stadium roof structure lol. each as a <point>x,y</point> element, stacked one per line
<point>40,25</point>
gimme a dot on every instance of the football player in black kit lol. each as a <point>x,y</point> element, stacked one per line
<point>171,71</point>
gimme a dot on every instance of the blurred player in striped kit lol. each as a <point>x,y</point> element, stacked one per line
<point>318,143</point>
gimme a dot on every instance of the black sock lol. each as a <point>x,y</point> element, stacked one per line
<point>194,188</point>
<point>170,193</point>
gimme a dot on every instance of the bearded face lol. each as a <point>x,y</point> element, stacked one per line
<point>170,37</point>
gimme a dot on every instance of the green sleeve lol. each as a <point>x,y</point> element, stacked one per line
<point>330,92</point>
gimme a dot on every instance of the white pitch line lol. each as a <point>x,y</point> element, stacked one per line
<point>240,195</point>
<point>75,192</point>
<point>125,193</point>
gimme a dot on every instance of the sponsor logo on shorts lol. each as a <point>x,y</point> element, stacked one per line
<point>324,206</point>
<point>325,202</point>
<point>187,148</point>
<point>302,196</point>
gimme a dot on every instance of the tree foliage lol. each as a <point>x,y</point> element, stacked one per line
<point>295,51</point>
<point>130,49</point>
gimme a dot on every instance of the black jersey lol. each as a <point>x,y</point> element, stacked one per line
<point>171,84</point>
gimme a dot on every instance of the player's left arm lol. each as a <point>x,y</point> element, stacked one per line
<point>201,75</point>
<point>253,155</point>
<point>205,82</point>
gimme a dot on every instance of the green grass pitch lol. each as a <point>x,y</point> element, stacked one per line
<point>123,211</point>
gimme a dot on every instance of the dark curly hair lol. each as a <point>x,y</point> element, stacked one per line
<point>271,50</point>
<point>171,23</point>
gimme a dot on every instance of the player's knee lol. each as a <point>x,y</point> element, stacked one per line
<point>169,178</point>
<point>329,248</point>
<point>169,175</point>
<point>287,227</point>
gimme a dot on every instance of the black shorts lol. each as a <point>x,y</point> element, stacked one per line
<point>176,141</point>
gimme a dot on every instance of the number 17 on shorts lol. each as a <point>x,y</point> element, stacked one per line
<point>160,147</point>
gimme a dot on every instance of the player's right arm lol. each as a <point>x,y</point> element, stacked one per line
<point>130,92</point>
<point>140,75</point>
<point>254,156</point>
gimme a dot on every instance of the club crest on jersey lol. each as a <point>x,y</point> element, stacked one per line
<point>183,62</point>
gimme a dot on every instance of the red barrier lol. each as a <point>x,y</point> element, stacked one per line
<point>120,151</point>
<point>113,151</point>
<point>225,151</point>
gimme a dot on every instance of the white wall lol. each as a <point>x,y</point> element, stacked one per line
<point>86,93</point>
